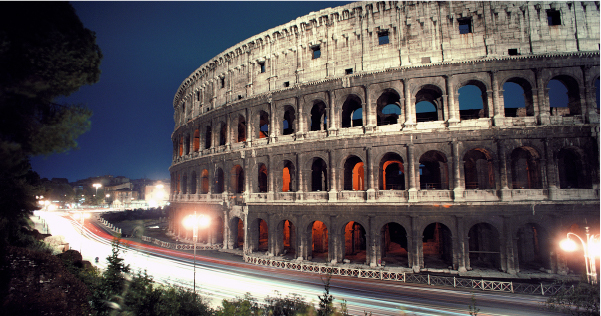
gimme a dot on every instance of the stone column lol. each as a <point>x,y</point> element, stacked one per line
<point>372,242</point>
<point>551,171</point>
<point>409,108</point>
<point>273,125</point>
<point>499,108</point>
<point>416,246</point>
<point>452,106</point>
<point>503,173</point>
<point>333,125</point>
<point>411,174</point>
<point>369,109</point>
<point>270,178</point>
<point>460,253</point>
<point>371,188</point>
<point>541,110</point>
<point>249,123</point>
<point>458,181</point>
<point>333,193</point>
<point>590,116</point>
<point>300,183</point>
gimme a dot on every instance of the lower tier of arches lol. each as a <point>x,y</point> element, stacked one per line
<point>509,238</point>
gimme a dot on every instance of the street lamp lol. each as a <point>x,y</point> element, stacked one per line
<point>195,221</point>
<point>590,245</point>
<point>97,185</point>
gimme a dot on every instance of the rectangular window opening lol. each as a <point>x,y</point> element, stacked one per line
<point>426,60</point>
<point>465,25</point>
<point>222,83</point>
<point>262,65</point>
<point>383,38</point>
<point>316,51</point>
<point>348,71</point>
<point>287,84</point>
<point>512,51</point>
<point>553,17</point>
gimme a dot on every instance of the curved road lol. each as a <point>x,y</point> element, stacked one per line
<point>219,279</point>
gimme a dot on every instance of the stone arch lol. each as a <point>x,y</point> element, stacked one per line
<point>525,168</point>
<point>262,178</point>
<point>516,105</point>
<point>572,170</point>
<point>533,247</point>
<point>388,107</point>
<point>236,233</point>
<point>262,127</point>
<point>259,232</point>
<point>484,246</point>
<point>237,179</point>
<point>394,245</point>
<point>355,243</point>
<point>573,96</point>
<point>317,235</point>
<point>437,246</point>
<point>289,120</point>
<point>204,181</point>
<point>241,130</point>
<point>219,183</point>
<point>184,183</point>
<point>288,176</point>
<point>354,174</point>
<point>196,144</point>
<point>431,94</point>
<point>472,106</point>
<point>478,169</point>
<point>193,182</point>
<point>288,233</point>
<point>319,175</point>
<point>433,171</point>
<point>351,105</point>
<point>318,116</point>
<point>391,172</point>
<point>222,133</point>
<point>217,230</point>
<point>208,137</point>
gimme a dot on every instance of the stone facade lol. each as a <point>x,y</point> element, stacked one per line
<point>310,139</point>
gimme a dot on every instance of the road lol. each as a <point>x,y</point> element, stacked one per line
<point>218,279</point>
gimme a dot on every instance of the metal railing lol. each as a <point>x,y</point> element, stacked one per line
<point>452,281</point>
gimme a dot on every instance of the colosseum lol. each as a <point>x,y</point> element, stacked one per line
<point>412,135</point>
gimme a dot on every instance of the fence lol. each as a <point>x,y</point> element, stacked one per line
<point>109,225</point>
<point>476,284</point>
<point>178,246</point>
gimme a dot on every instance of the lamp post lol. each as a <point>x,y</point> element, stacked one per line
<point>195,221</point>
<point>590,245</point>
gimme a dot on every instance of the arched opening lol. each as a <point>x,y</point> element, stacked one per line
<point>428,104</point>
<point>217,229</point>
<point>354,174</point>
<point>352,113</point>
<point>237,179</point>
<point>433,171</point>
<point>525,169</point>
<point>563,96</point>
<point>319,116</point>
<point>181,145</point>
<point>484,249</point>
<point>179,184</point>
<point>263,130</point>
<point>185,184</point>
<point>319,241</point>
<point>193,182</point>
<point>223,134</point>
<point>437,246</point>
<point>289,238</point>
<point>208,138</point>
<point>354,242</point>
<point>187,145</point>
<point>388,108</point>
<point>288,179</point>
<point>392,172</point>
<point>571,170</point>
<point>241,129</point>
<point>237,233</point>
<point>219,183</point>
<point>478,169</point>
<point>288,123</point>
<point>263,236</point>
<point>262,178</point>
<point>517,98</point>
<point>196,140</point>
<point>472,98</point>
<point>533,248</point>
<point>204,181</point>
<point>394,245</point>
<point>319,178</point>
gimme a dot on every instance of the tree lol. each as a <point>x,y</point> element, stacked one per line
<point>45,53</point>
<point>581,299</point>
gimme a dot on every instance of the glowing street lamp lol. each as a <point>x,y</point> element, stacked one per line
<point>195,221</point>
<point>590,245</point>
<point>97,185</point>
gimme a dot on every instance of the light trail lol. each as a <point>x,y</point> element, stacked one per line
<point>221,279</point>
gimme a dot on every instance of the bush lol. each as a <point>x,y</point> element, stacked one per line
<point>581,299</point>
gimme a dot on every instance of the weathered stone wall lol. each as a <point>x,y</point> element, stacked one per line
<point>502,183</point>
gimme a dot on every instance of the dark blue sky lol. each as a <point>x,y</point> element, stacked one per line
<point>149,48</point>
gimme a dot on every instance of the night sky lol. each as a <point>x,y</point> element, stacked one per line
<point>149,48</point>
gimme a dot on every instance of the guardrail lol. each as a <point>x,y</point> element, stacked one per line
<point>110,226</point>
<point>475,284</point>
<point>180,246</point>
